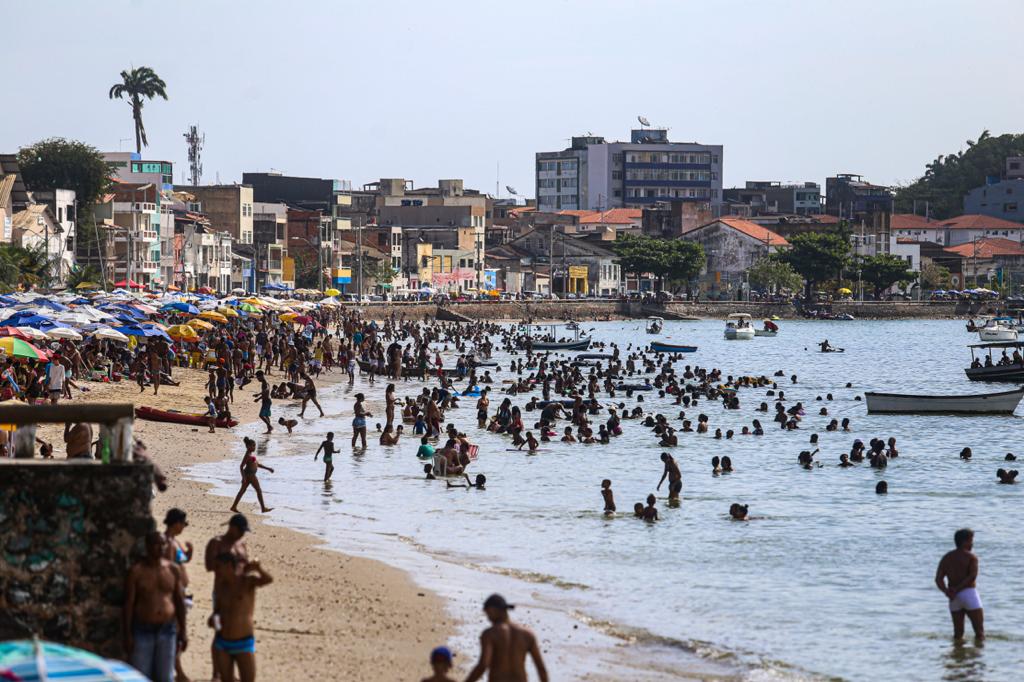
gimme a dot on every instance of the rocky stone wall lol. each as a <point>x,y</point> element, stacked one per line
<point>68,534</point>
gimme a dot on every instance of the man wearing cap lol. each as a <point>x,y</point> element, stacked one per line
<point>504,646</point>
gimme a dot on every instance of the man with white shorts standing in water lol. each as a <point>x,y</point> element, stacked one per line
<point>956,576</point>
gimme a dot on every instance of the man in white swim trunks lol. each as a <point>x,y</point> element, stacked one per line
<point>956,575</point>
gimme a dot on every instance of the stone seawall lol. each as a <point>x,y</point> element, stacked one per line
<point>610,309</point>
<point>67,530</point>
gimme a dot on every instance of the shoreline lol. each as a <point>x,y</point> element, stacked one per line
<point>325,609</point>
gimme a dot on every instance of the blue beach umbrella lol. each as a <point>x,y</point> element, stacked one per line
<point>181,307</point>
<point>37,661</point>
<point>143,330</point>
<point>26,318</point>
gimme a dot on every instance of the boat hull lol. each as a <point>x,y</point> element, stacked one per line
<point>765,332</point>
<point>172,417</point>
<point>658,347</point>
<point>582,344</point>
<point>999,334</point>
<point>1007,373</point>
<point>1004,402</point>
<point>744,334</point>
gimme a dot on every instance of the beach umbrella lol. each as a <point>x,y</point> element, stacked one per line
<point>37,661</point>
<point>108,334</point>
<point>332,292</point>
<point>302,319</point>
<point>844,291</point>
<point>183,332</point>
<point>199,324</point>
<point>181,307</point>
<point>75,318</point>
<point>15,332</point>
<point>143,330</point>
<point>171,287</point>
<point>33,334</point>
<point>227,311</point>
<point>52,305</point>
<point>18,348</point>
<point>288,317</point>
<point>248,307</point>
<point>26,318</point>
<point>213,316</point>
<point>64,333</point>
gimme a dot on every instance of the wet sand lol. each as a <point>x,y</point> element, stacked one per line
<point>326,614</point>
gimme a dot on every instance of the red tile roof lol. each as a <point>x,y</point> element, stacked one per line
<point>824,219</point>
<point>758,232</point>
<point>910,221</point>
<point>988,247</point>
<point>613,216</point>
<point>980,222</point>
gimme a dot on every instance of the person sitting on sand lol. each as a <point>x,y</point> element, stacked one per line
<point>288,423</point>
<point>441,662</point>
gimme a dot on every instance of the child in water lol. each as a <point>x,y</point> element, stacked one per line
<point>288,423</point>
<point>327,447</point>
<point>609,499</point>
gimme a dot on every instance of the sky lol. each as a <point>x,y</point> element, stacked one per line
<point>794,90</point>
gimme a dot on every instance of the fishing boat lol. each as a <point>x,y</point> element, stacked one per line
<point>990,369</point>
<point>655,325</point>
<point>175,417</point>
<point>659,347</point>
<point>738,327</point>
<point>1004,402</point>
<point>998,329</point>
<point>550,339</point>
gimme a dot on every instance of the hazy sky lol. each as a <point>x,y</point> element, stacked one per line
<point>423,90</point>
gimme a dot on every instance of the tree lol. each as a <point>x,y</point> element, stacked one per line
<point>816,256</point>
<point>57,163</point>
<point>683,260</point>
<point>884,270</point>
<point>377,271</point>
<point>949,177</point>
<point>134,86</point>
<point>935,276</point>
<point>640,255</point>
<point>80,275</point>
<point>25,266</point>
<point>772,273</point>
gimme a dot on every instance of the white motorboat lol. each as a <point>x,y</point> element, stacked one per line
<point>979,403</point>
<point>998,329</point>
<point>739,328</point>
<point>655,325</point>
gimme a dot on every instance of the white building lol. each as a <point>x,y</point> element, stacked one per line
<point>954,231</point>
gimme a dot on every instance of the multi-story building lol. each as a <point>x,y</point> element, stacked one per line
<point>141,217</point>
<point>731,246</point>
<point>595,174</point>
<point>850,197</point>
<point>61,203</point>
<point>331,197</point>
<point>955,231</point>
<point>229,208</point>
<point>270,228</point>
<point>998,198</point>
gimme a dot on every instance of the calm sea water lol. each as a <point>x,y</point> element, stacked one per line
<point>828,580</point>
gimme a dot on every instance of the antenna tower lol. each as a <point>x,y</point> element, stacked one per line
<point>195,142</point>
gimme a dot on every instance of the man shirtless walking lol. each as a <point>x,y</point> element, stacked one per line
<point>154,613</point>
<point>955,577</point>
<point>504,646</point>
<point>235,643</point>
<point>675,478</point>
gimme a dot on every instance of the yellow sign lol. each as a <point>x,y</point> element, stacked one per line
<point>578,271</point>
<point>288,271</point>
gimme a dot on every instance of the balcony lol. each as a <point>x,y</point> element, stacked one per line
<point>150,266</point>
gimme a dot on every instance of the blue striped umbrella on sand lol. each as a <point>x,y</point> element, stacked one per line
<point>27,660</point>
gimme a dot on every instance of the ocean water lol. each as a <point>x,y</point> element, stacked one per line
<point>828,580</point>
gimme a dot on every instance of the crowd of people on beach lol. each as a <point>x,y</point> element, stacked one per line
<point>269,360</point>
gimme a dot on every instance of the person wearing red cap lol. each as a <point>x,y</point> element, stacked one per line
<point>504,646</point>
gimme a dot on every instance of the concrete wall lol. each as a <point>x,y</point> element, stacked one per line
<point>67,532</point>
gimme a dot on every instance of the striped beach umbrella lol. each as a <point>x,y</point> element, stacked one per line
<point>14,347</point>
<point>28,660</point>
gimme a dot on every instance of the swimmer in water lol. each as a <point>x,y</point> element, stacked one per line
<point>675,477</point>
<point>716,466</point>
<point>530,442</point>
<point>965,454</point>
<point>1007,477</point>
<point>428,469</point>
<point>609,498</point>
<point>650,511</point>
<point>881,488</point>
<point>738,512</point>
<point>638,510</point>
<point>478,483</point>
<point>327,447</point>
<point>726,465</point>
<point>844,460</point>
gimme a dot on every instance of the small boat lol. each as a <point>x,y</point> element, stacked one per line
<point>655,325</point>
<point>581,344</point>
<point>1012,372</point>
<point>980,403</point>
<point>659,347</point>
<point>174,417</point>
<point>998,329</point>
<point>738,327</point>
<point>770,329</point>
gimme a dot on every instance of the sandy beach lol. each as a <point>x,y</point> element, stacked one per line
<point>325,611</point>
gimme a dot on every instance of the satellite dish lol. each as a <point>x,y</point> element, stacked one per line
<point>643,121</point>
<point>512,190</point>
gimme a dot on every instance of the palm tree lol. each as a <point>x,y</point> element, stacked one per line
<point>135,85</point>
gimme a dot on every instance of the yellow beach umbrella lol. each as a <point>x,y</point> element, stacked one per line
<point>844,291</point>
<point>213,316</point>
<point>227,312</point>
<point>288,317</point>
<point>331,292</point>
<point>199,324</point>
<point>183,332</point>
